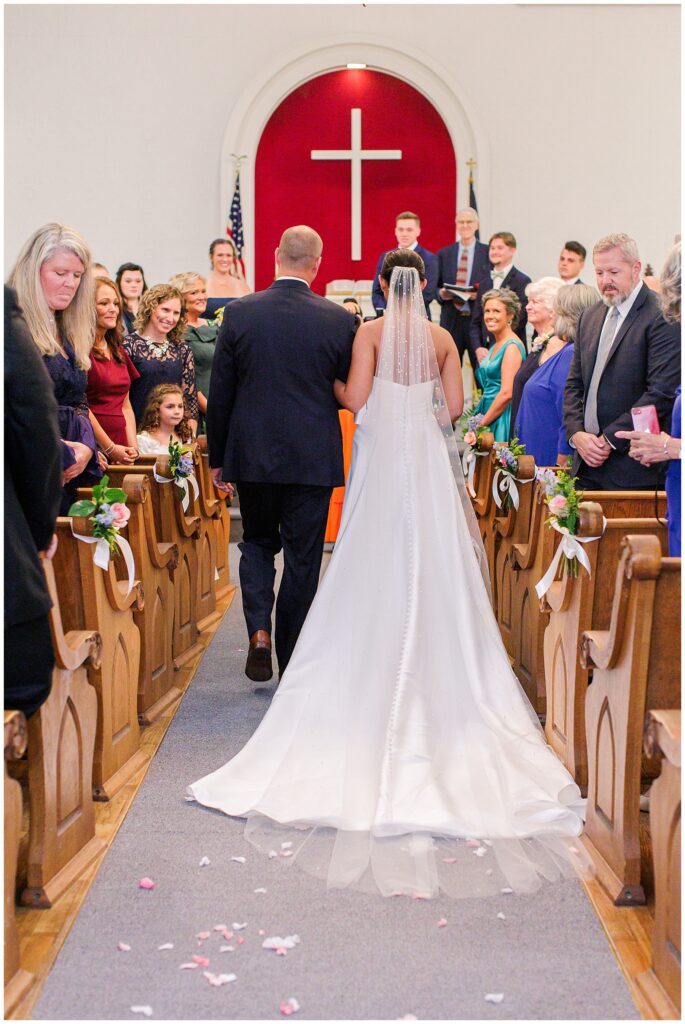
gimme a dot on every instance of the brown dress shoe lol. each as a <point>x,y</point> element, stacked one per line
<point>258,665</point>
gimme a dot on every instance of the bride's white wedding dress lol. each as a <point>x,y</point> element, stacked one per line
<point>399,751</point>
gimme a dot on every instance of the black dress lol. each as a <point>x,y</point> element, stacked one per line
<point>168,363</point>
<point>69,383</point>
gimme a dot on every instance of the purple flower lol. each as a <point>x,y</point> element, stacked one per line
<point>106,515</point>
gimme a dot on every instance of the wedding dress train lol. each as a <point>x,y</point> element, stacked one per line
<point>399,752</point>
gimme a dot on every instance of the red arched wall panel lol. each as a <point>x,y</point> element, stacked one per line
<point>291,188</point>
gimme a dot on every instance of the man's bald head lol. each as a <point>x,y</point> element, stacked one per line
<point>299,252</point>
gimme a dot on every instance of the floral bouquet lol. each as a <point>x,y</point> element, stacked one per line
<point>562,500</point>
<point>107,512</point>
<point>473,430</point>
<point>180,460</point>
<point>507,458</point>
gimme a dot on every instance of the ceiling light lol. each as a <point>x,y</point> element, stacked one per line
<point>353,67</point>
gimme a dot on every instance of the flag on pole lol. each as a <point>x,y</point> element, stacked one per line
<point>234,225</point>
<point>472,197</point>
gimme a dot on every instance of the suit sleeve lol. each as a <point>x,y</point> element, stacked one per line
<point>431,288</point>
<point>662,378</point>
<point>476,338</point>
<point>32,442</point>
<point>345,357</point>
<point>441,276</point>
<point>222,390</point>
<point>558,384</point>
<point>574,392</point>
<point>377,297</point>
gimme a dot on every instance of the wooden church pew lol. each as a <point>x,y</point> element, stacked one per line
<point>530,560</point>
<point>636,668</point>
<point>209,509</point>
<point>155,561</point>
<point>577,604</point>
<point>510,527</point>
<point>18,982</point>
<point>62,839</point>
<point>660,985</point>
<point>94,599</point>
<point>221,523</point>
<point>482,480</point>
<point>174,526</point>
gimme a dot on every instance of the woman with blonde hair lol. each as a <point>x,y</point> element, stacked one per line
<point>158,350</point>
<point>200,333</point>
<point>55,288</point>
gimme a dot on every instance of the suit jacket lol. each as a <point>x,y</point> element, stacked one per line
<point>517,281</point>
<point>448,265</point>
<point>431,262</point>
<point>272,416</point>
<point>643,368</point>
<point>33,469</point>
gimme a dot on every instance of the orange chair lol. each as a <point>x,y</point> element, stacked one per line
<point>335,509</point>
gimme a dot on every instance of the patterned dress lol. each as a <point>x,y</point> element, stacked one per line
<point>166,363</point>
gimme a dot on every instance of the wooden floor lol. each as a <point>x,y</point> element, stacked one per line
<point>43,932</point>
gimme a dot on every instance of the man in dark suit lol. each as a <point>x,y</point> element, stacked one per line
<point>571,262</point>
<point>407,231</point>
<point>502,250</point>
<point>465,263</point>
<point>625,354</point>
<point>33,491</point>
<point>273,428</point>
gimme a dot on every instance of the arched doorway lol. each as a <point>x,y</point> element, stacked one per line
<point>291,187</point>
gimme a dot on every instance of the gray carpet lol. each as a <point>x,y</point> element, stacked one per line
<point>359,957</point>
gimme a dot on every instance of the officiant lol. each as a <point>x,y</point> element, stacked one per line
<point>464,263</point>
<point>407,231</point>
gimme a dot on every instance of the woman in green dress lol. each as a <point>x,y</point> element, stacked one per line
<point>501,308</point>
<point>200,333</point>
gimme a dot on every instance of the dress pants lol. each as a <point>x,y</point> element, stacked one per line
<point>292,517</point>
<point>29,660</point>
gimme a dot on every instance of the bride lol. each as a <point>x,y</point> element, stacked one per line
<point>399,753</point>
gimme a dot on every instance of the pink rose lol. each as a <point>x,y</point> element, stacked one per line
<point>121,513</point>
<point>559,506</point>
<point>470,437</point>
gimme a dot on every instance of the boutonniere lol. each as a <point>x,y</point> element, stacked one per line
<point>539,344</point>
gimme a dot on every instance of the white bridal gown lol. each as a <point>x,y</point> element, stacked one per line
<point>399,744</point>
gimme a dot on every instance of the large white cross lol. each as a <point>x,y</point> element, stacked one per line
<point>355,155</point>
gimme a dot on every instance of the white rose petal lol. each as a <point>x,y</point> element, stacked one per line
<point>494,997</point>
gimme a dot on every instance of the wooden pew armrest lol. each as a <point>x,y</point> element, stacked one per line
<point>662,734</point>
<point>80,646</point>
<point>16,735</point>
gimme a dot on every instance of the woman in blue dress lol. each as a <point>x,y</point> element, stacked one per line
<point>55,289</point>
<point>501,308</point>
<point>226,281</point>
<point>539,416</point>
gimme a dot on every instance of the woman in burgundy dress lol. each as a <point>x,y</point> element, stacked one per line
<point>110,377</point>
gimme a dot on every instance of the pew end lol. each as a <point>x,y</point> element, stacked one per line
<point>18,982</point>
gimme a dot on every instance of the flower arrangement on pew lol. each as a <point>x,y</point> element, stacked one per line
<point>507,458</point>
<point>471,436</point>
<point>108,513</point>
<point>181,469</point>
<point>562,500</point>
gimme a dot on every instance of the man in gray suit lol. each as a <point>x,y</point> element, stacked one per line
<point>625,354</point>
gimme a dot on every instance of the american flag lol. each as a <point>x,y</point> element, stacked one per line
<point>234,226</point>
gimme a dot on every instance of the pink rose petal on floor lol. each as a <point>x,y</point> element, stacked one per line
<point>289,1006</point>
<point>201,961</point>
<point>419,896</point>
<point>281,951</point>
<point>166,945</point>
<point>240,940</point>
<point>146,883</point>
<point>202,935</point>
<point>226,949</point>
<point>473,842</point>
<point>218,979</point>
<point>124,947</point>
<point>188,967</point>
<point>220,927</point>
<point>261,932</point>
<point>286,853</point>
<point>445,860</point>
<point>146,1010</point>
<point>442,923</point>
<point>227,935</point>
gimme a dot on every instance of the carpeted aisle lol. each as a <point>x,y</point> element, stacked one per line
<point>359,957</point>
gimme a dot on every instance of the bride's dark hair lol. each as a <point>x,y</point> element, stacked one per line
<point>402,258</point>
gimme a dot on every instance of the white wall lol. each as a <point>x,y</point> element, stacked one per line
<point>116,115</point>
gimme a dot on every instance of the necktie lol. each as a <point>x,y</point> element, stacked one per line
<point>462,269</point>
<point>497,279</point>
<point>605,342</point>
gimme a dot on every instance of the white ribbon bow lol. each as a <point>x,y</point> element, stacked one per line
<point>101,555</point>
<point>571,546</point>
<point>509,485</point>
<point>468,464</point>
<point>182,482</point>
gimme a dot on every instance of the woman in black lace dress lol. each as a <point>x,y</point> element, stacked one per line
<point>159,352</point>
<point>55,289</point>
